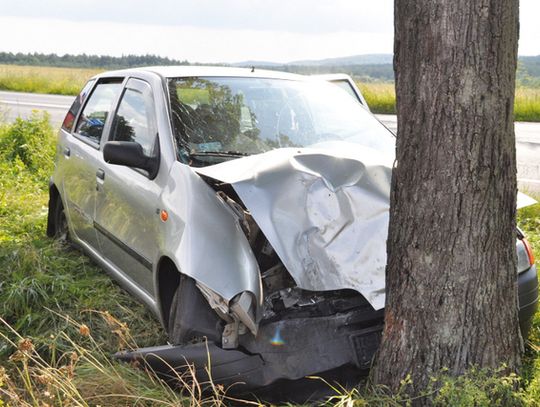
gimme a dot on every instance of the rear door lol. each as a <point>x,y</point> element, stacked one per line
<point>126,220</point>
<point>80,158</point>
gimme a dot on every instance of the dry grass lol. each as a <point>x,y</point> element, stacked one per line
<point>381,98</point>
<point>37,79</point>
<point>527,105</point>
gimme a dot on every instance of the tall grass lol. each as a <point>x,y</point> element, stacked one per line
<point>44,285</point>
<point>61,317</point>
<point>36,79</point>
<point>527,105</point>
<point>381,98</point>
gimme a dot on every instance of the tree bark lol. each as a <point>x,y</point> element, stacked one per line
<point>451,277</point>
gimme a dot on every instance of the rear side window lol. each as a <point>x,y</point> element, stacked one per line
<point>69,120</point>
<point>95,112</point>
<point>134,120</point>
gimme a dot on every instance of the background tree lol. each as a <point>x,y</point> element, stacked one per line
<point>451,274</point>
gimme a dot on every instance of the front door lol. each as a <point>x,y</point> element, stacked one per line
<point>126,220</point>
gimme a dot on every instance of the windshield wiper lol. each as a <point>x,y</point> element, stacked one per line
<point>218,153</point>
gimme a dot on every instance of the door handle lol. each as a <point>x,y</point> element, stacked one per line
<point>67,152</point>
<point>100,174</point>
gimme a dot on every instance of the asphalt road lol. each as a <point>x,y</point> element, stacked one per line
<point>14,104</point>
<point>527,151</point>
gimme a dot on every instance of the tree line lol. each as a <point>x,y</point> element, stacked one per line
<point>528,72</point>
<point>85,60</point>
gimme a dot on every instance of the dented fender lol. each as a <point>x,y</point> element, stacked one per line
<point>204,237</point>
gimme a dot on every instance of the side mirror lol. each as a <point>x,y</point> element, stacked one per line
<point>131,154</point>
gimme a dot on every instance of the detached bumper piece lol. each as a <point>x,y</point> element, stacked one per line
<point>287,349</point>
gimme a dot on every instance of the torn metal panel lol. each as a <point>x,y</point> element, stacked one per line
<point>325,212</point>
<point>206,239</point>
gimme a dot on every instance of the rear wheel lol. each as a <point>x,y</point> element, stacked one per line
<point>191,318</point>
<point>61,230</point>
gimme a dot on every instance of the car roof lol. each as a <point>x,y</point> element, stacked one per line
<point>197,70</point>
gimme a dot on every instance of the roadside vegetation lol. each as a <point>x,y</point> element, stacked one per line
<point>61,317</point>
<point>38,79</point>
<point>380,96</point>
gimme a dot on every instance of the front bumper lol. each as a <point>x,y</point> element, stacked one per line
<point>292,349</point>
<point>288,349</point>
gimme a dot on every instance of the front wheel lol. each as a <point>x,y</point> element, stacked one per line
<point>191,318</point>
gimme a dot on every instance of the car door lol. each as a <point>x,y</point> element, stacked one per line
<point>126,219</point>
<point>81,156</point>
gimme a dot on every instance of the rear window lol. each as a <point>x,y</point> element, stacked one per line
<point>97,109</point>
<point>71,115</point>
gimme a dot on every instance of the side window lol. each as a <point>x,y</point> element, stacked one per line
<point>97,109</point>
<point>69,120</point>
<point>134,119</point>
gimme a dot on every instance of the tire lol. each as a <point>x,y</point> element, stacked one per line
<point>190,317</point>
<point>61,229</point>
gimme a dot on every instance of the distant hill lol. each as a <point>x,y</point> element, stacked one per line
<point>366,67</point>
<point>249,64</point>
<point>365,59</point>
<point>378,67</point>
<point>531,65</point>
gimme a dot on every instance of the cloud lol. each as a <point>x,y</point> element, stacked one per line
<point>300,16</point>
<point>215,30</point>
<point>192,43</point>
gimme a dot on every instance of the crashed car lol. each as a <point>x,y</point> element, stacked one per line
<point>248,209</point>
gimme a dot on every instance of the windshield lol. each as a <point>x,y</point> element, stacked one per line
<point>221,118</point>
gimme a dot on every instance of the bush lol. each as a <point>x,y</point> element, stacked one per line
<point>28,145</point>
<point>40,280</point>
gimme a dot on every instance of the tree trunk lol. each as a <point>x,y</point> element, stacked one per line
<point>451,274</point>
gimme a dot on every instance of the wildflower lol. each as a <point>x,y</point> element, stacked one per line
<point>74,356</point>
<point>84,330</point>
<point>25,345</point>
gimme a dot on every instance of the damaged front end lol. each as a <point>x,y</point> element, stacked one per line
<point>315,222</point>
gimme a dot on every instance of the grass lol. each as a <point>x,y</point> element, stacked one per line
<point>36,79</point>
<point>45,287</point>
<point>61,317</point>
<point>527,105</point>
<point>381,98</point>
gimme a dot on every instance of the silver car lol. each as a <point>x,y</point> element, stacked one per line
<point>248,209</point>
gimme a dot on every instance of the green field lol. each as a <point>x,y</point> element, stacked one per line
<point>36,79</point>
<point>61,317</point>
<point>380,96</point>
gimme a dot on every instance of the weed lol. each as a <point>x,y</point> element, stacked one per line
<point>46,287</point>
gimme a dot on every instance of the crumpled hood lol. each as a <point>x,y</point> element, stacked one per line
<point>325,212</point>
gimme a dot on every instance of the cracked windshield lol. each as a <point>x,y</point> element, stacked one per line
<point>216,119</point>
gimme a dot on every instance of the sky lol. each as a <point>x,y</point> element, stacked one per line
<point>215,30</point>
